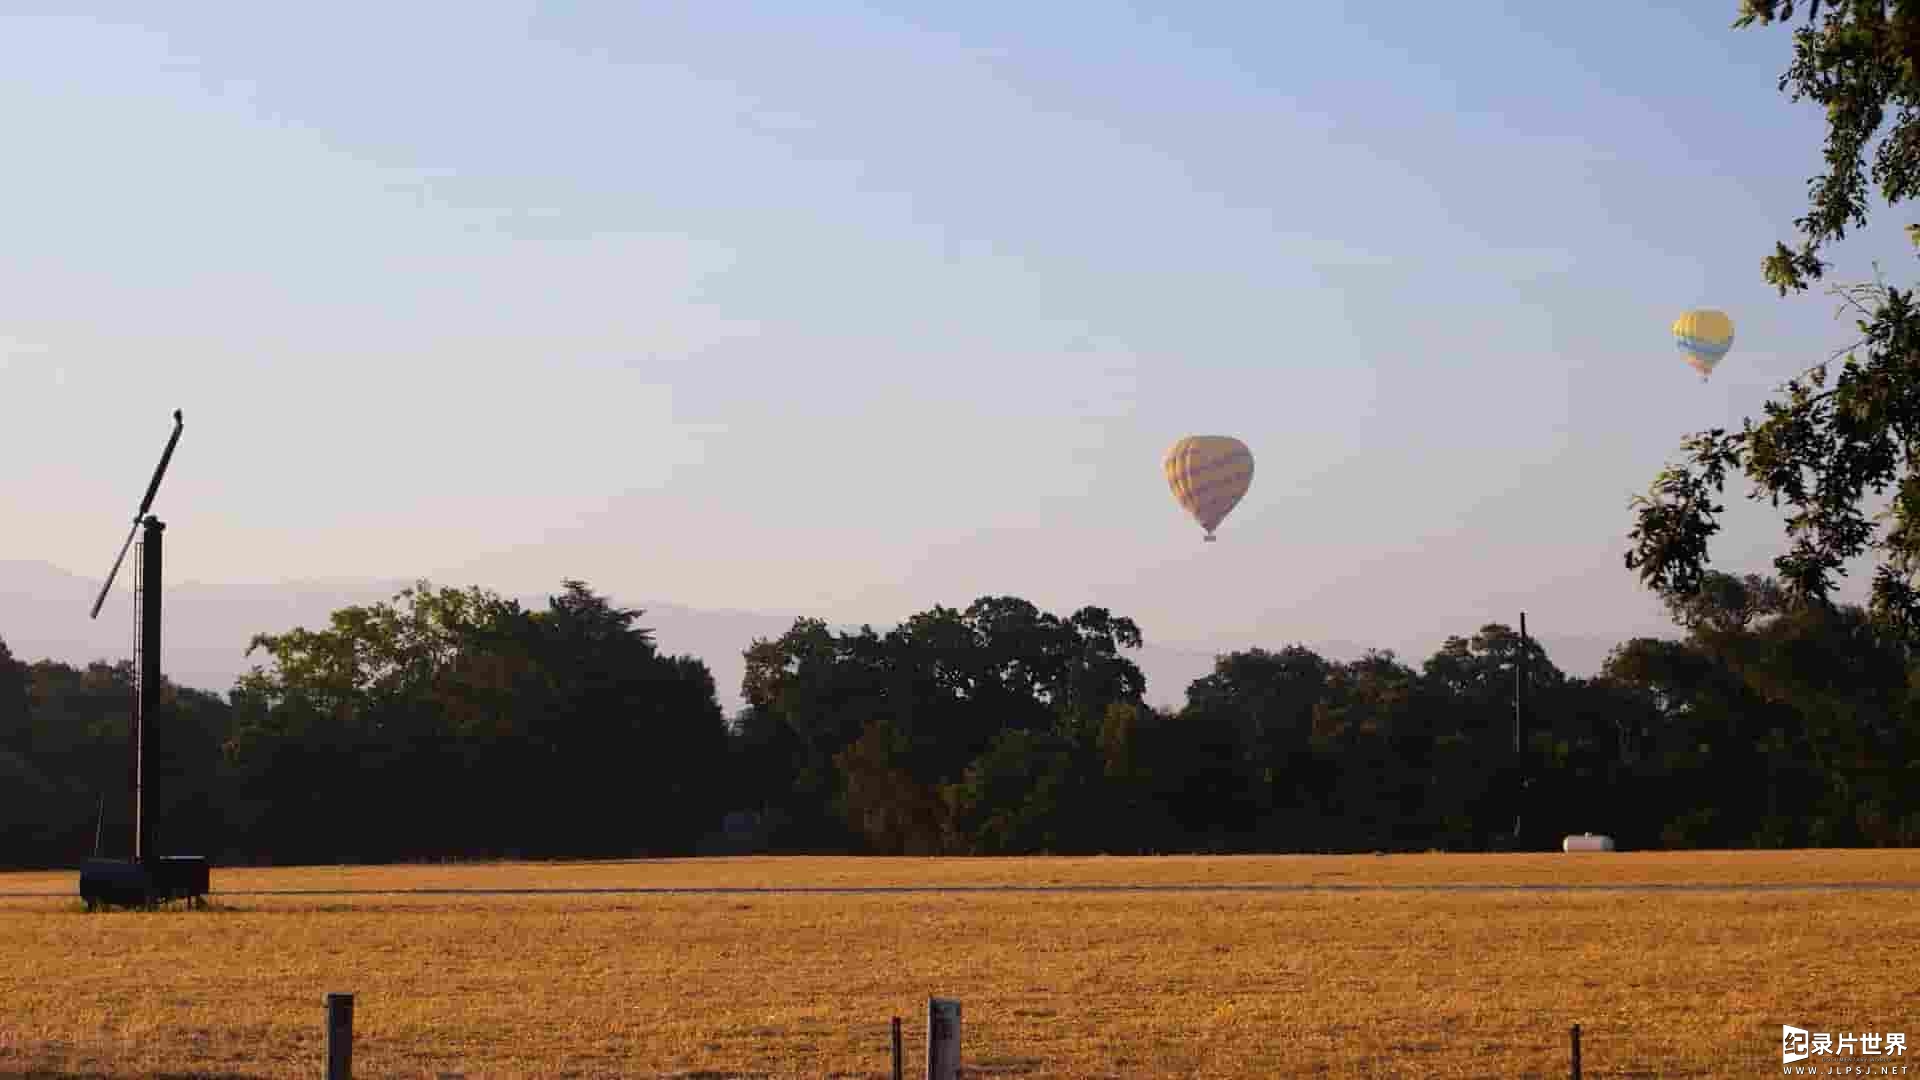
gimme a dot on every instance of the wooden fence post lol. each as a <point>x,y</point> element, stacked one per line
<point>943,1039</point>
<point>898,1058</point>
<point>339,1037</point>
<point>1576,1052</point>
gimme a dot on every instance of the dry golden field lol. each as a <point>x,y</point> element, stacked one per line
<point>1353,980</point>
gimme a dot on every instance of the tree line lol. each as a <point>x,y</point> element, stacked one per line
<point>455,723</point>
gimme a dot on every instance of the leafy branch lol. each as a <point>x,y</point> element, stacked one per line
<point>1818,453</point>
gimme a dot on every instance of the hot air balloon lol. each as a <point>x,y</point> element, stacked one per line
<point>1209,475</point>
<point>1704,336</point>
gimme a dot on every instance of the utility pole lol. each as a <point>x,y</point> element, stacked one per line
<point>1519,706</point>
<point>1519,684</point>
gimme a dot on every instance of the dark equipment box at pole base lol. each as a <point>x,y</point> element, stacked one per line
<point>144,882</point>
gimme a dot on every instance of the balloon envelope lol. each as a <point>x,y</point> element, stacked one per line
<point>1209,475</point>
<point>1704,336</point>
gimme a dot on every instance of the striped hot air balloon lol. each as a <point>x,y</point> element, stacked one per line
<point>1209,475</point>
<point>1704,336</point>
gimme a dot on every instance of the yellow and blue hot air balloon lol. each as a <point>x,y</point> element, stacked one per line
<point>1209,475</point>
<point>1704,336</point>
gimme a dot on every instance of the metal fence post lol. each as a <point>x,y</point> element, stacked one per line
<point>1576,1052</point>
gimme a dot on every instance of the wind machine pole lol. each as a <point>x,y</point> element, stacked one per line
<point>147,723</point>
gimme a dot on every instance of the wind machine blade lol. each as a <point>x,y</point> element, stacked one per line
<point>146,504</point>
<point>115,572</point>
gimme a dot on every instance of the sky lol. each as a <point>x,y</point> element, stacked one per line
<point>849,310</point>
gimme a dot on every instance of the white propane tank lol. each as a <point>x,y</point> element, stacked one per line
<point>1587,842</point>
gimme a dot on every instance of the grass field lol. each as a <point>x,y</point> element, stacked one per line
<point>1216,983</point>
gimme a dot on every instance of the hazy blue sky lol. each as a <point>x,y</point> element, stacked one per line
<point>849,309</point>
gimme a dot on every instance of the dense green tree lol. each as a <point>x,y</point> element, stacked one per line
<point>13,701</point>
<point>1270,697</point>
<point>403,724</point>
<point>1020,796</point>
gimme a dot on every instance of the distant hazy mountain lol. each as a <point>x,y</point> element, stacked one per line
<point>43,615</point>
